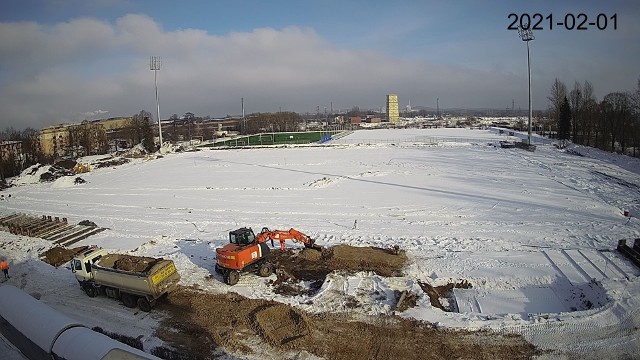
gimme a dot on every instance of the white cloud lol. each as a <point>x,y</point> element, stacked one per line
<point>51,74</point>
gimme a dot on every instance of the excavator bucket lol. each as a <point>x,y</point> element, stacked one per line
<point>312,245</point>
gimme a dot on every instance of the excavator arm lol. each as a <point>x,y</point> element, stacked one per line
<point>284,235</point>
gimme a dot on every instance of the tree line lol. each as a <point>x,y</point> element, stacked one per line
<point>10,163</point>
<point>611,124</point>
<point>86,138</point>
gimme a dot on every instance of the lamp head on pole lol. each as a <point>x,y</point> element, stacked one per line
<point>154,63</point>
<point>525,32</point>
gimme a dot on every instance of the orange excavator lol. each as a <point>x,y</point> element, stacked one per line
<point>247,252</point>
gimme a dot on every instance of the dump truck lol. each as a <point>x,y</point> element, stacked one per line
<point>134,280</point>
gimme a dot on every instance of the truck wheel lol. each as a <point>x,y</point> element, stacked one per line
<point>91,291</point>
<point>265,270</point>
<point>232,277</point>
<point>218,270</point>
<point>144,305</point>
<point>128,300</point>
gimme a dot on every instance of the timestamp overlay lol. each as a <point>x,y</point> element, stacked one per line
<point>568,21</point>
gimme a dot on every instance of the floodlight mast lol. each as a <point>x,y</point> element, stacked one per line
<point>526,34</point>
<point>154,64</point>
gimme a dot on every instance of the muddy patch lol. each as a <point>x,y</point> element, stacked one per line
<point>311,266</point>
<point>132,263</point>
<point>205,325</point>
<point>279,324</point>
<point>58,255</point>
<point>436,293</point>
<point>405,300</point>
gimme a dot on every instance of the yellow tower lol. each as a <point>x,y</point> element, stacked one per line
<point>392,108</point>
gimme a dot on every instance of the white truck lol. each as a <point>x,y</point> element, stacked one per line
<point>141,282</point>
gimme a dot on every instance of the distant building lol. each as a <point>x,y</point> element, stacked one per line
<point>54,140</point>
<point>393,114</point>
<point>88,137</point>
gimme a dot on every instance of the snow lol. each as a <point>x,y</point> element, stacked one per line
<point>533,232</point>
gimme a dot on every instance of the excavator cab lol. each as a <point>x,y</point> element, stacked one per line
<point>241,237</point>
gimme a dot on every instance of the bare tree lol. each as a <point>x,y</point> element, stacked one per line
<point>576,102</point>
<point>136,128</point>
<point>616,113</point>
<point>589,109</point>
<point>556,98</point>
<point>564,121</point>
<point>635,119</point>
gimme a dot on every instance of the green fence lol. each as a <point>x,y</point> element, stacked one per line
<point>276,139</point>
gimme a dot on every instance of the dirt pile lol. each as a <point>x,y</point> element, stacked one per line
<point>405,300</point>
<point>58,255</point>
<point>111,162</point>
<point>134,263</point>
<point>279,324</point>
<point>293,265</point>
<point>202,324</point>
<point>312,264</point>
<point>54,172</point>
<point>437,292</point>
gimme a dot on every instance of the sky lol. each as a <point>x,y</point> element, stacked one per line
<point>67,61</point>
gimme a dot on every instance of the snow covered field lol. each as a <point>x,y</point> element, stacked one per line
<point>534,233</point>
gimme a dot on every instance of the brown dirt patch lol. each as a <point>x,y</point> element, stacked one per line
<point>293,265</point>
<point>58,255</point>
<point>205,325</point>
<point>405,300</point>
<point>111,162</point>
<point>132,263</point>
<point>312,264</point>
<point>437,292</point>
<point>279,324</point>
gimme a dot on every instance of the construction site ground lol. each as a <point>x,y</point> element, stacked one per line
<point>536,244</point>
<point>201,323</point>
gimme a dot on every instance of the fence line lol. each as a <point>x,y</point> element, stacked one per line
<point>421,140</point>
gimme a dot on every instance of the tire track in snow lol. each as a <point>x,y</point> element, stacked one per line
<point>573,263</point>
<point>614,267</point>
<point>593,265</point>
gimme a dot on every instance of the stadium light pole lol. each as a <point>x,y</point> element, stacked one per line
<point>527,35</point>
<point>154,65</point>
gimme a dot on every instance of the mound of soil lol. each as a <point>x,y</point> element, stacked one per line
<point>204,324</point>
<point>131,263</point>
<point>437,292</point>
<point>293,265</point>
<point>313,264</point>
<point>87,223</point>
<point>54,172</point>
<point>111,162</point>
<point>405,300</point>
<point>67,164</point>
<point>58,255</point>
<point>278,324</point>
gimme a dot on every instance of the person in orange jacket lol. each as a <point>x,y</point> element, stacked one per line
<point>4,266</point>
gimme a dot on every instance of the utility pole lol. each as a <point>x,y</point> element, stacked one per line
<point>244,124</point>
<point>526,34</point>
<point>154,65</point>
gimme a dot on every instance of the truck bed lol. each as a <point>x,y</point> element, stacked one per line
<point>136,275</point>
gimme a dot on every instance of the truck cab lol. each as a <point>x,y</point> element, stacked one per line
<point>81,264</point>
